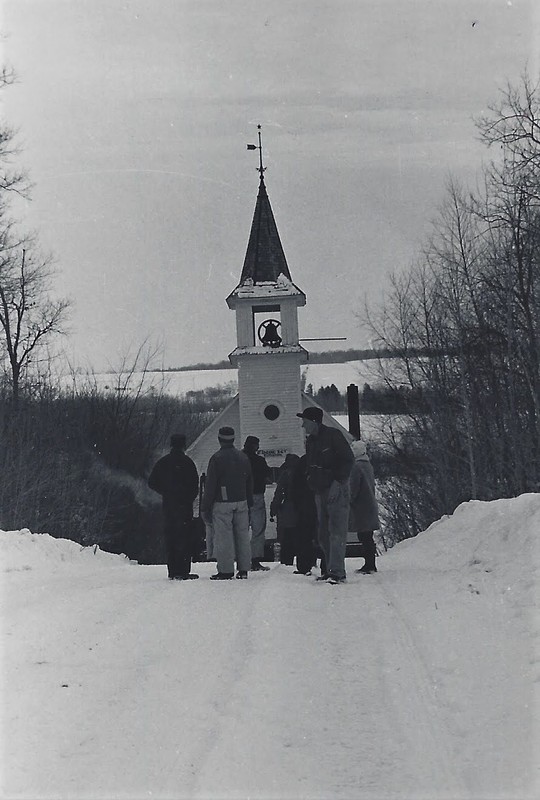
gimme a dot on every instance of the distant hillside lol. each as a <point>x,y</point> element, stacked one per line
<point>327,357</point>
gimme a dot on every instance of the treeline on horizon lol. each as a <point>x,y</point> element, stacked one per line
<point>324,357</point>
<point>457,340</point>
<point>376,400</point>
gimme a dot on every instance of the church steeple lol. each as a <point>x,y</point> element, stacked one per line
<point>265,259</point>
<point>265,272</point>
<point>265,286</point>
<point>268,353</point>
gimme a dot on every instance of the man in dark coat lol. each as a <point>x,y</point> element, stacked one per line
<point>175,478</point>
<point>257,512</point>
<point>283,508</point>
<point>306,525</point>
<point>329,461</point>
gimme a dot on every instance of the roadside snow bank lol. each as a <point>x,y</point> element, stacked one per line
<point>22,550</point>
<point>495,543</point>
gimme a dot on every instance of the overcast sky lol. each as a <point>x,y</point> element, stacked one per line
<point>134,117</point>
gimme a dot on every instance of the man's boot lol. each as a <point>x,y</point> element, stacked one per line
<point>367,569</point>
<point>256,566</point>
<point>370,550</point>
<point>369,565</point>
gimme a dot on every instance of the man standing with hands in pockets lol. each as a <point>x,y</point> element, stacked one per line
<point>329,460</point>
<point>228,495</point>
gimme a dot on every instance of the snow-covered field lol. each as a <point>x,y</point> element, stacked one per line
<point>418,682</point>
<point>174,383</point>
<point>179,383</point>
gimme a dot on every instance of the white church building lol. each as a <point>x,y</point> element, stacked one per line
<point>268,353</point>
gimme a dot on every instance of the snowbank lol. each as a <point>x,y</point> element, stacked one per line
<point>23,551</point>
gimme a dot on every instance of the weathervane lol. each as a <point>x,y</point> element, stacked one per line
<point>258,147</point>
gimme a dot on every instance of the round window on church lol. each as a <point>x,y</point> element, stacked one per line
<point>271,412</point>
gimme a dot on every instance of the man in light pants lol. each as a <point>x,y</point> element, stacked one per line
<point>329,460</point>
<point>228,494</point>
<point>257,512</point>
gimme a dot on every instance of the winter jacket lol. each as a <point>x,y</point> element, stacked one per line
<point>364,513</point>
<point>328,458</point>
<point>260,471</point>
<point>304,499</point>
<point>228,478</point>
<point>175,478</point>
<point>282,505</point>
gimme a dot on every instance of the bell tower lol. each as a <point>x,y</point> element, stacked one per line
<point>268,354</point>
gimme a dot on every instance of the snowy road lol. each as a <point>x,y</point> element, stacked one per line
<point>251,689</point>
<point>415,683</point>
<point>295,680</point>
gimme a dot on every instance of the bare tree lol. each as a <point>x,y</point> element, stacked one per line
<point>463,324</point>
<point>12,178</point>
<point>29,316</point>
<point>513,121</point>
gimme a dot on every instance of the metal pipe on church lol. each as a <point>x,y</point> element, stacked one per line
<point>353,410</point>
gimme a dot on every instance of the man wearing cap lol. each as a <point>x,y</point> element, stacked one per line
<point>257,513</point>
<point>228,494</point>
<point>329,460</point>
<point>175,478</point>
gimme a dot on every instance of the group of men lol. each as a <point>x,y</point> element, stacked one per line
<point>233,503</point>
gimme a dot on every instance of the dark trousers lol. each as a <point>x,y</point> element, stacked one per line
<point>369,548</point>
<point>286,538</point>
<point>297,541</point>
<point>178,541</point>
<point>305,549</point>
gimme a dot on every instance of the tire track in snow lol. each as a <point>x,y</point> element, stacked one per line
<point>418,705</point>
<point>249,749</point>
<point>323,724</point>
<point>233,654</point>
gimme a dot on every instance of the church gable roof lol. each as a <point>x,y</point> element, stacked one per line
<point>265,259</point>
<point>207,442</point>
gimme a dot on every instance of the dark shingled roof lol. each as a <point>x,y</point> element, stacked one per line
<point>265,259</point>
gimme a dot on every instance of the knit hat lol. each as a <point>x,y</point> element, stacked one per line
<point>178,440</point>
<point>226,434</point>
<point>313,413</point>
<point>359,450</point>
<point>252,441</point>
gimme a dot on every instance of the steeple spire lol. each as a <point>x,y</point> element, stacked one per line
<point>265,259</point>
